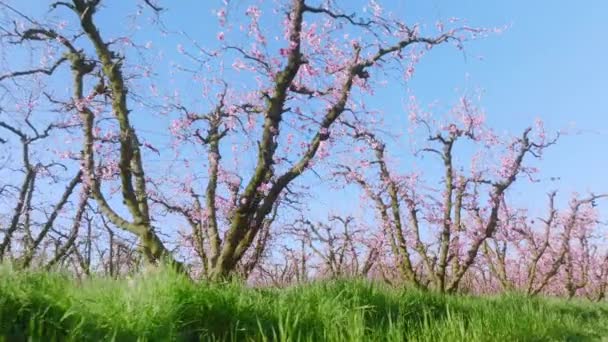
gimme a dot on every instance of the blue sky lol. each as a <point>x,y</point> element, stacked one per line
<point>550,64</point>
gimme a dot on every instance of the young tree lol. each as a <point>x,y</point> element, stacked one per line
<point>459,220</point>
<point>342,248</point>
<point>556,256</point>
<point>30,222</point>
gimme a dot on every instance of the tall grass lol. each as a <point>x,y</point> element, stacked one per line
<point>164,307</point>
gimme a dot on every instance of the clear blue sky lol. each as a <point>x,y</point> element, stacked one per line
<point>551,64</point>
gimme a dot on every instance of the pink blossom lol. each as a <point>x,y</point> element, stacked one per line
<point>253,12</point>
<point>239,65</point>
<point>221,15</point>
<point>409,72</point>
<point>439,25</point>
<point>376,8</point>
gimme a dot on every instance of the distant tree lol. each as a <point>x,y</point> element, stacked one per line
<point>463,218</point>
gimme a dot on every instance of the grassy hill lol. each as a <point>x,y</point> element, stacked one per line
<point>164,307</point>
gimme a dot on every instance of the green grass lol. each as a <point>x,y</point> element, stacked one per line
<point>164,307</point>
